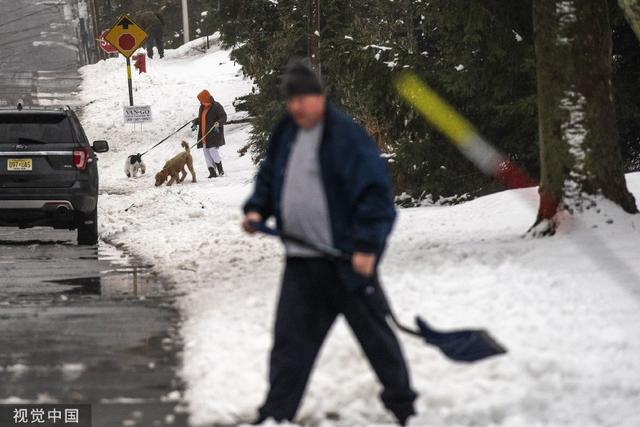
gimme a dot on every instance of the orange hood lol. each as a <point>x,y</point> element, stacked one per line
<point>205,98</point>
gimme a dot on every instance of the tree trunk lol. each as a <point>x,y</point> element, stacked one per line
<point>579,150</point>
<point>313,40</point>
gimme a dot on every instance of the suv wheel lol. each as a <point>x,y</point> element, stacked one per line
<point>88,233</point>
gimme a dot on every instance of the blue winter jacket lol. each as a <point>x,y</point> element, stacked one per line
<point>356,182</point>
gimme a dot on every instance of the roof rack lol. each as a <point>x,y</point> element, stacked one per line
<point>43,108</point>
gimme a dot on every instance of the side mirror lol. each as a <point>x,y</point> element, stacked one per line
<point>100,146</point>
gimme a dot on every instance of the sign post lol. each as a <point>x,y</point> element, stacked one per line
<point>126,36</point>
<point>129,82</point>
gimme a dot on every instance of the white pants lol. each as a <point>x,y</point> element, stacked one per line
<point>211,156</point>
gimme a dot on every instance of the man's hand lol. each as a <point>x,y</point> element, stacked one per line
<point>216,125</point>
<point>248,219</point>
<point>364,263</point>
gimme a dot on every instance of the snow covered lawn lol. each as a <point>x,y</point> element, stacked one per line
<point>571,323</point>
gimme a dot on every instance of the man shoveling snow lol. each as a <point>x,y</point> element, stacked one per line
<point>323,179</point>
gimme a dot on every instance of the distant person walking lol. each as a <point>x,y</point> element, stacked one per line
<point>153,23</point>
<point>323,179</point>
<point>210,124</point>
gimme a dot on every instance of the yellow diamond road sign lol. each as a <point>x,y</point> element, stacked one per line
<point>126,36</point>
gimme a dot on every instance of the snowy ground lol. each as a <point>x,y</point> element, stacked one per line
<point>569,321</point>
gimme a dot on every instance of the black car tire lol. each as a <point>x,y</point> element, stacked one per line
<point>88,233</point>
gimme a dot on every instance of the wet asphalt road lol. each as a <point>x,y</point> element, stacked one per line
<point>38,53</point>
<point>86,325</point>
<point>77,324</point>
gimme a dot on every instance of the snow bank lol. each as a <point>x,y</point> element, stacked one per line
<point>570,323</point>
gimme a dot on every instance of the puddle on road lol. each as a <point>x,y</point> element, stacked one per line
<point>120,276</point>
<point>132,282</point>
<point>38,264</point>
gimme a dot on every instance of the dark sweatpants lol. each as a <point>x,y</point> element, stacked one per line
<point>311,298</point>
<point>154,38</point>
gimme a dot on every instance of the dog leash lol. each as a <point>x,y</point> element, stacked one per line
<point>205,135</point>
<point>169,136</point>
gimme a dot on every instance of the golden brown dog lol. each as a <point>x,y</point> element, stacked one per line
<point>175,167</point>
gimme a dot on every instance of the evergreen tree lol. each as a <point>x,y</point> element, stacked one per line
<point>479,54</point>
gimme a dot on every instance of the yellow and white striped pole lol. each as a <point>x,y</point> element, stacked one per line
<point>129,82</point>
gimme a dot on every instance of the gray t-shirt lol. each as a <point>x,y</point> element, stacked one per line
<point>304,205</point>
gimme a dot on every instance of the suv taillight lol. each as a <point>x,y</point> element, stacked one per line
<point>80,157</point>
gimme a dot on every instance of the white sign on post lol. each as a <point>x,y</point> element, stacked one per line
<point>137,114</point>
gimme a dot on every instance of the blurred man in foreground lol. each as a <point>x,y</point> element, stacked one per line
<point>324,180</point>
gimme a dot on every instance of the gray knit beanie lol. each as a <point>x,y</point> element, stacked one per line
<point>301,79</point>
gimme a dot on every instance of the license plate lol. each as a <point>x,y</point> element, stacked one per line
<point>19,165</point>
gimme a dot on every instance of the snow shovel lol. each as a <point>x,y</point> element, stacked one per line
<point>464,345</point>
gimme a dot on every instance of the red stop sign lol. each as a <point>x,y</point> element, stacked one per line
<point>105,45</point>
<point>126,41</point>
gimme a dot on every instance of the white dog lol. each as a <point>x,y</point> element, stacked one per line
<point>133,164</point>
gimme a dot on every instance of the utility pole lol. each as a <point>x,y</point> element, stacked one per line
<point>94,23</point>
<point>205,24</point>
<point>84,26</point>
<point>185,20</point>
<point>313,38</point>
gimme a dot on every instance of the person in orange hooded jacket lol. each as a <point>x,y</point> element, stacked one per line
<point>210,124</point>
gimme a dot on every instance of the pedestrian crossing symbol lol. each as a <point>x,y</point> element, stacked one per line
<point>126,36</point>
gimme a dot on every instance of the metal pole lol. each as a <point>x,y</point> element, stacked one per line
<point>185,20</point>
<point>205,24</point>
<point>313,38</point>
<point>129,82</point>
<point>94,24</point>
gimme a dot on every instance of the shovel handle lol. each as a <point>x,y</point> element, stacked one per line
<point>326,250</point>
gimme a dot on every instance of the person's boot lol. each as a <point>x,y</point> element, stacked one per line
<point>220,170</point>
<point>212,173</point>
<point>261,419</point>
<point>404,415</point>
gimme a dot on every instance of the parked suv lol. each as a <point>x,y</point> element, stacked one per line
<point>48,171</point>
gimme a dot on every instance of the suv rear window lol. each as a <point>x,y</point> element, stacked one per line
<point>35,128</point>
